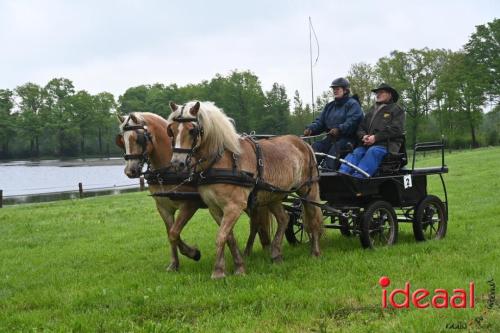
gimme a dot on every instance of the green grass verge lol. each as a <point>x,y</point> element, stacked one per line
<point>98,264</point>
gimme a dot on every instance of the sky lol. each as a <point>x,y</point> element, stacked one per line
<point>114,45</point>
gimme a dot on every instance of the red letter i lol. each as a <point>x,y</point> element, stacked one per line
<point>471,294</point>
<point>384,282</point>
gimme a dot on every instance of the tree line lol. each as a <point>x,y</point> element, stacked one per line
<point>455,94</point>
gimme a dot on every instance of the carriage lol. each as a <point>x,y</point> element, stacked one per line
<point>372,208</point>
<point>275,177</point>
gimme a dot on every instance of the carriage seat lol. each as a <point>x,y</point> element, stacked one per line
<point>393,163</point>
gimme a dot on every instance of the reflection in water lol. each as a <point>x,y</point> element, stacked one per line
<point>21,178</point>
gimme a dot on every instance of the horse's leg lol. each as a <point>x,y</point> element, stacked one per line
<point>254,226</point>
<point>260,223</point>
<point>239,264</point>
<point>218,214</point>
<point>229,218</point>
<point>167,211</point>
<point>313,218</point>
<point>282,219</point>
<point>186,212</point>
<point>264,230</point>
<point>167,214</point>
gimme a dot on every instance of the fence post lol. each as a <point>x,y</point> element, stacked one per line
<point>80,189</point>
<point>141,183</point>
<point>1,198</point>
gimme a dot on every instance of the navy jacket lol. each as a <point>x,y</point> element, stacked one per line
<point>344,114</point>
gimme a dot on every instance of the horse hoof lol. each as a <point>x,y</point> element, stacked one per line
<point>240,271</point>
<point>277,260</point>
<point>197,255</point>
<point>173,268</point>
<point>218,275</point>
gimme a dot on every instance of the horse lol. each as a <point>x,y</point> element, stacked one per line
<point>263,174</point>
<point>143,137</point>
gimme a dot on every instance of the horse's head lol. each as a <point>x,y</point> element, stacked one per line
<point>185,131</point>
<point>136,141</point>
<point>200,130</point>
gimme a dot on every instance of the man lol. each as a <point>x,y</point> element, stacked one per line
<point>380,132</point>
<point>340,119</point>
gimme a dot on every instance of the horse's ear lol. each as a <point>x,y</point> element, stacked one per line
<point>195,108</point>
<point>173,106</point>
<point>134,118</point>
<point>121,118</point>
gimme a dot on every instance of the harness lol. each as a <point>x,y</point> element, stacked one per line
<point>162,176</point>
<point>233,176</point>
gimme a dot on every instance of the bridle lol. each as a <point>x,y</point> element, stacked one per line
<point>142,140</point>
<point>196,133</point>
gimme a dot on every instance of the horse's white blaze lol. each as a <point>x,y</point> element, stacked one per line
<point>178,138</point>
<point>178,157</point>
<point>126,142</point>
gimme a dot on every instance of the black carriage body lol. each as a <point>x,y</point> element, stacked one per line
<point>372,207</point>
<point>343,190</point>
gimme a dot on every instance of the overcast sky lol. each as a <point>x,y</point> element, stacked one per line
<point>113,45</point>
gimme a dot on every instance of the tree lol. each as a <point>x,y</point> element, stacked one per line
<point>157,99</point>
<point>83,115</point>
<point>105,107</point>
<point>31,102</point>
<point>300,117</point>
<point>484,50</point>
<point>363,78</point>
<point>240,95</point>
<point>7,121</point>
<point>462,86</point>
<point>59,118</point>
<point>277,112</point>
<point>414,75</point>
<point>134,99</point>
<point>491,126</point>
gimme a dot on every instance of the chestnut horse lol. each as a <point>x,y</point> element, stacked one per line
<point>144,138</point>
<point>206,140</point>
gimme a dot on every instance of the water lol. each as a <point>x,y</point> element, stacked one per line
<point>23,178</point>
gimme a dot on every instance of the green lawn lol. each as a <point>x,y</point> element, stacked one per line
<point>98,264</point>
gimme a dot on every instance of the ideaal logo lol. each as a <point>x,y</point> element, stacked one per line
<point>423,298</point>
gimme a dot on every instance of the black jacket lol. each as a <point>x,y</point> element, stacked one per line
<point>387,124</point>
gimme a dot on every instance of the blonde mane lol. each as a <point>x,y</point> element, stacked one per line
<point>219,131</point>
<point>144,118</point>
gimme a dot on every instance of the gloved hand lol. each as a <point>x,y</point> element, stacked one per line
<point>307,132</point>
<point>335,132</point>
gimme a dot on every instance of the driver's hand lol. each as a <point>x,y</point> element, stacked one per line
<point>307,132</point>
<point>335,132</point>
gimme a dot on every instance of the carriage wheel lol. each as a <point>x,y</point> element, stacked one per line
<point>295,233</point>
<point>379,225</point>
<point>430,221</point>
<point>344,226</point>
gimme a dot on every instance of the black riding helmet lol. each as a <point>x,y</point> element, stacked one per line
<point>340,82</point>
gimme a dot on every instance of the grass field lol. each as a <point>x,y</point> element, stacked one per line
<point>98,265</point>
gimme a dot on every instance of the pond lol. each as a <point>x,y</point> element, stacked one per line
<point>23,179</point>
